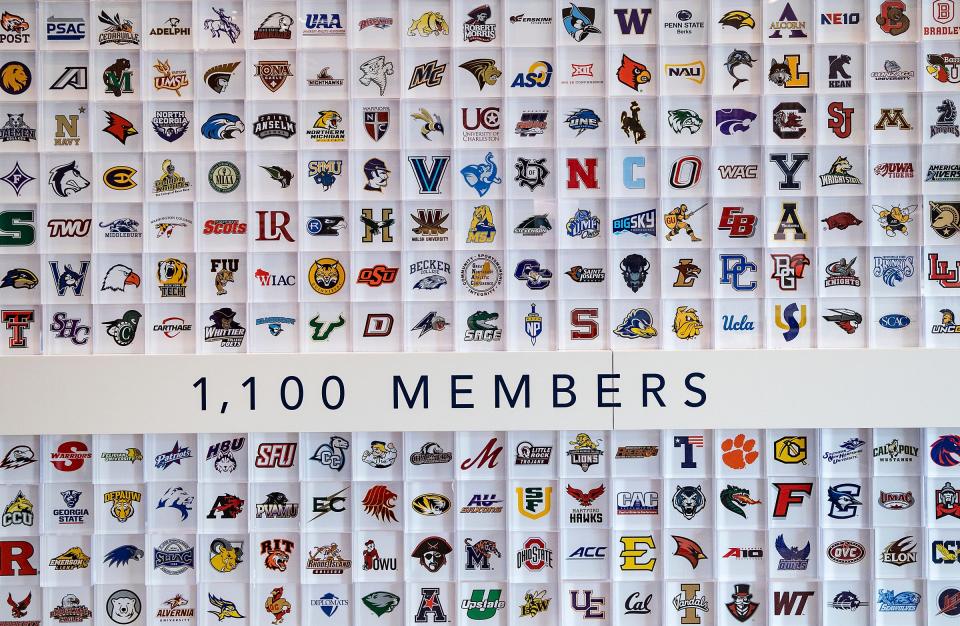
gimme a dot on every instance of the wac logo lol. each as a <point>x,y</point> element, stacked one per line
<point>632,21</point>
<point>429,178</point>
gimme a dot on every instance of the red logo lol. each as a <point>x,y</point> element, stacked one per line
<point>585,499</point>
<point>786,497</point>
<point>377,275</point>
<point>70,456</point>
<point>739,224</point>
<point>584,324</point>
<point>488,455</point>
<point>276,455</point>
<point>16,553</point>
<point>17,322</point>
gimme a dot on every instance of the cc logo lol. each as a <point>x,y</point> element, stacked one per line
<point>120,177</point>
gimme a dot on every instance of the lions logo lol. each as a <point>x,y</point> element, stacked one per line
<point>225,556</point>
<point>430,23</point>
<point>633,74</point>
<point>326,276</point>
<point>484,70</point>
<point>686,323</point>
<point>15,78</point>
<point>688,501</point>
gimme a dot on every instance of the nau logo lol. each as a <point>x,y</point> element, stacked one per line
<point>694,71</point>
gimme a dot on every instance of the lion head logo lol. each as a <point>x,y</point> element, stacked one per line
<point>15,77</point>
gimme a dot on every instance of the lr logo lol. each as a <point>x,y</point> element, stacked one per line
<point>591,606</point>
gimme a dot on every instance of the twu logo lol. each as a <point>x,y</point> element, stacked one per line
<point>69,278</point>
<point>429,179</point>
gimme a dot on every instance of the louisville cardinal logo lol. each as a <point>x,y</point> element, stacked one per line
<point>585,499</point>
<point>633,74</point>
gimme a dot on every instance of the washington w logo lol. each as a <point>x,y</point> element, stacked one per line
<point>429,179</point>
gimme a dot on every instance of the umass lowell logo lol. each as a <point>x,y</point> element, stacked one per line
<point>429,177</point>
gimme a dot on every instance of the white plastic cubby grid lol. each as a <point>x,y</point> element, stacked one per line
<point>571,315</point>
<point>784,492</point>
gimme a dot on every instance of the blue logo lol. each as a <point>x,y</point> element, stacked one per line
<point>481,176</point>
<point>730,121</point>
<point>533,324</point>
<point>894,321</point>
<point>732,268</point>
<point>631,172</point>
<point>583,119</point>
<point>642,223</point>
<point>583,225</point>
<point>792,557</point>
<point>325,173</point>
<point>638,324</point>
<point>536,277</point>
<point>429,179</point>
<point>731,323</point>
<point>434,281</point>
<point>892,269</point>
<point>903,602</point>
<point>579,23</point>
<point>787,319</point>
<point>222,126</point>
<point>69,278</point>
<point>329,603</point>
<point>122,555</point>
<point>175,455</point>
<point>843,500</point>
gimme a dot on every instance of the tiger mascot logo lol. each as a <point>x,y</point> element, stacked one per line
<point>327,276</point>
<point>121,503</point>
<point>328,119</point>
<point>686,323</point>
<point>172,272</point>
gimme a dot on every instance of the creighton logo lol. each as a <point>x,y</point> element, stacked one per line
<point>121,503</point>
<point>534,502</point>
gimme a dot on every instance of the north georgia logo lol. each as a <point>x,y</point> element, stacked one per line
<point>170,125</point>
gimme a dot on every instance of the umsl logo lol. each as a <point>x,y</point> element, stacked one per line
<point>271,455</point>
<point>15,558</point>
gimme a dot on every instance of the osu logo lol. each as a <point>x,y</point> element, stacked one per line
<point>377,275</point>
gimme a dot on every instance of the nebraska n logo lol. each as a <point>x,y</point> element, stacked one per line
<point>429,179</point>
<point>632,22</point>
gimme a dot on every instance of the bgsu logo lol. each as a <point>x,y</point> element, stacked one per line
<point>276,455</point>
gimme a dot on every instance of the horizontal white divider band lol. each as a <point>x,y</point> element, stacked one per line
<point>482,391</point>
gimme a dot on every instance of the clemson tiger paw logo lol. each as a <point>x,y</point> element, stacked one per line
<point>739,452</point>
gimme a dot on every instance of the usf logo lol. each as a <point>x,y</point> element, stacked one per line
<point>534,502</point>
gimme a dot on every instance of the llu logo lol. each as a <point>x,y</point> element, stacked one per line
<point>786,319</point>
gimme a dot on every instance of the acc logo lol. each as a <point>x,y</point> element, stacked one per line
<point>120,178</point>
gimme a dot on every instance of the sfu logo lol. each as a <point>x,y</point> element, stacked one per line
<point>275,455</point>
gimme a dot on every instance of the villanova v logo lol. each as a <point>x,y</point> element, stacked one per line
<point>429,179</point>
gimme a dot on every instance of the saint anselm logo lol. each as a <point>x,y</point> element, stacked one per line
<point>429,178</point>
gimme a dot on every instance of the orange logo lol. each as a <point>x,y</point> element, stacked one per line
<point>739,452</point>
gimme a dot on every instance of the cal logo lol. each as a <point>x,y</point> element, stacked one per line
<point>534,502</point>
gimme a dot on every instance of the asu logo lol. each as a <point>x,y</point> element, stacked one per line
<point>121,503</point>
<point>632,73</point>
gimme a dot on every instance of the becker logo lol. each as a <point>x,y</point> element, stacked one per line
<point>270,455</point>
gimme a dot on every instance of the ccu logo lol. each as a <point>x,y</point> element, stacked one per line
<point>120,178</point>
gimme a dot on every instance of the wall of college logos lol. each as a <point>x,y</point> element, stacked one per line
<point>726,527</point>
<point>400,175</point>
